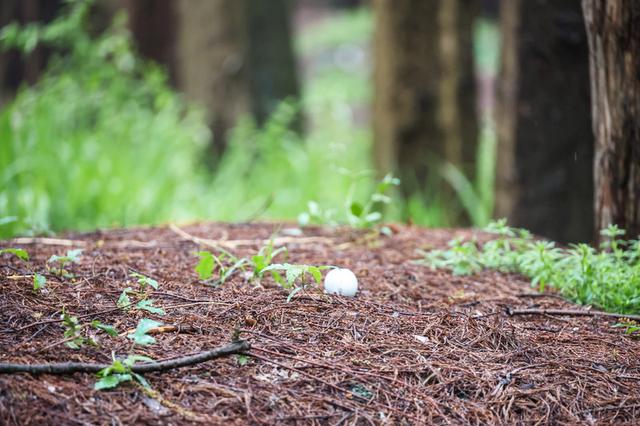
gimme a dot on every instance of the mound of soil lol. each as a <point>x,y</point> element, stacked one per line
<point>415,346</point>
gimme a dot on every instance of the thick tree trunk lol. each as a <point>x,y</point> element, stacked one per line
<point>545,146</point>
<point>424,109</point>
<point>16,69</point>
<point>234,57</point>
<point>613,28</point>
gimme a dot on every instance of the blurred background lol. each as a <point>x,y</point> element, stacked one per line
<point>124,112</point>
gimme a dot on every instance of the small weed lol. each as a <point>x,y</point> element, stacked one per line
<point>608,278</point>
<point>75,335</point>
<point>140,336</point>
<point>39,280</point>
<point>18,252</point>
<point>57,264</point>
<point>264,259</point>
<point>120,371</point>
<point>144,281</point>
<point>210,263</point>
<point>631,327</point>
<point>297,276</point>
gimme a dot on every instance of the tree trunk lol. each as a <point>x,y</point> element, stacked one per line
<point>613,28</point>
<point>424,110</point>
<point>15,68</point>
<point>545,146</point>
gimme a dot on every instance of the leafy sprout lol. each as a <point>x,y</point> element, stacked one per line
<point>144,281</point>
<point>18,252</point>
<point>210,263</point>
<point>608,278</point>
<point>140,336</point>
<point>120,372</point>
<point>297,276</point>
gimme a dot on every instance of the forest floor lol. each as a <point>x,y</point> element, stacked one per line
<point>415,346</point>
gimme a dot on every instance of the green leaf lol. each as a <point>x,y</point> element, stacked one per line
<point>147,305</point>
<point>123,301</point>
<point>356,209</point>
<point>18,252</point>
<point>141,380</point>
<point>39,282</point>
<point>109,329</point>
<point>109,382</point>
<point>292,273</point>
<point>144,281</point>
<point>315,273</point>
<point>205,267</point>
<point>242,360</point>
<point>373,217</point>
<point>131,360</point>
<point>293,293</point>
<point>140,336</point>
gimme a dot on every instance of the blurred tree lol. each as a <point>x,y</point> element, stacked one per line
<point>424,108</point>
<point>545,146</point>
<point>14,68</point>
<point>613,28</point>
<point>234,57</point>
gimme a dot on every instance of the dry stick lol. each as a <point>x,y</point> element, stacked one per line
<point>236,347</point>
<point>216,244</point>
<point>570,312</point>
<point>48,241</point>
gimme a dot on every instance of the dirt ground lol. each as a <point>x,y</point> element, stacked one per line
<point>415,346</point>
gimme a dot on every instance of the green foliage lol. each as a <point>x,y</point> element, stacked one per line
<point>120,372</point>
<point>144,281</point>
<point>39,282</point>
<point>264,259</point>
<point>297,276</point>
<point>80,148</point>
<point>608,278</point>
<point>19,253</point>
<point>210,264</point>
<point>140,336</point>
<point>56,264</point>
<point>74,331</point>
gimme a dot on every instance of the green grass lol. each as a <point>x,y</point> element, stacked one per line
<point>103,141</point>
<point>608,278</point>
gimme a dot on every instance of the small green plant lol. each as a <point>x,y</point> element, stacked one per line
<point>140,336</point>
<point>631,327</point>
<point>57,264</point>
<point>74,333</point>
<point>368,214</point>
<point>141,294</point>
<point>608,278</point>
<point>120,372</point>
<point>297,276</point>
<point>144,281</point>
<point>213,270</point>
<point>264,259</point>
<point>39,280</point>
<point>18,252</point>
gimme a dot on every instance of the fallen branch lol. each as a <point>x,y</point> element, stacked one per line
<point>236,347</point>
<point>48,241</point>
<point>217,244</point>
<point>570,313</point>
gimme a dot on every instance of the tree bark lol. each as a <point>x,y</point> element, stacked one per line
<point>613,29</point>
<point>545,146</point>
<point>424,110</point>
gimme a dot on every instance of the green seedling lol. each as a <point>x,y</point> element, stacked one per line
<point>315,214</point>
<point>297,276</point>
<point>39,280</point>
<point>144,281</point>
<point>143,303</point>
<point>18,252</point>
<point>74,332</point>
<point>57,264</point>
<point>140,336</point>
<point>608,278</point>
<point>631,327</point>
<point>368,214</point>
<point>120,372</point>
<point>264,259</point>
<point>213,270</point>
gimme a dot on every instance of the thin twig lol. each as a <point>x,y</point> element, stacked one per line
<point>236,347</point>
<point>217,244</point>
<point>571,313</point>
<point>48,241</point>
